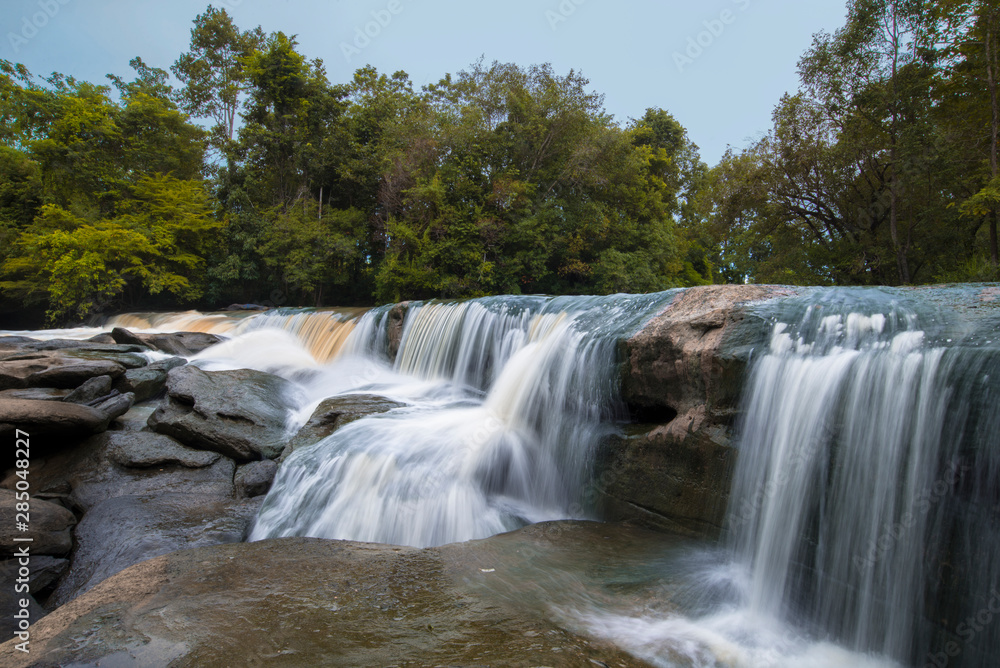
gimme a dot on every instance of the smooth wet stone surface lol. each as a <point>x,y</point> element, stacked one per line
<point>335,412</point>
<point>312,602</point>
<point>240,414</point>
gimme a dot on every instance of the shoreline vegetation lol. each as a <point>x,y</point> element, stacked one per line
<point>881,169</point>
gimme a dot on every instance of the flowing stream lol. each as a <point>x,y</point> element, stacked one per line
<point>864,518</point>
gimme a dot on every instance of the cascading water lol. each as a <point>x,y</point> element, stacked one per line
<point>864,517</point>
<point>506,399</point>
<point>861,448</point>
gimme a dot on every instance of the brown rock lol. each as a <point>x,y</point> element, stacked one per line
<point>48,524</point>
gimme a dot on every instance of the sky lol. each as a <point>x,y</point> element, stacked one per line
<point>719,66</point>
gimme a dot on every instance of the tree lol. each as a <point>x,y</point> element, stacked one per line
<point>213,71</point>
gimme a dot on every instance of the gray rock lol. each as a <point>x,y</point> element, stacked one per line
<point>255,478</point>
<point>240,414</point>
<point>94,388</point>
<point>54,420</point>
<point>147,450</point>
<point>184,344</point>
<point>48,523</point>
<point>35,394</point>
<point>90,474</point>
<point>125,530</point>
<point>43,571</point>
<point>334,413</point>
<point>114,405</point>
<point>10,605</point>
<point>53,369</point>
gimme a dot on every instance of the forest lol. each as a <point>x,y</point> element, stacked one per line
<point>242,174</point>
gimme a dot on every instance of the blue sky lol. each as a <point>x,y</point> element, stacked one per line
<point>719,66</point>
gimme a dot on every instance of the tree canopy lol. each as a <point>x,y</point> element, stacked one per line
<point>250,176</point>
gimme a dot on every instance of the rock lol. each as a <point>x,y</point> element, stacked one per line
<point>394,329</point>
<point>146,450</point>
<point>245,307</point>
<point>35,394</point>
<point>94,388</point>
<point>127,360</point>
<point>52,420</point>
<point>25,344</point>
<point>10,605</point>
<point>480,603</point>
<point>255,478</point>
<point>53,369</point>
<point>334,413</point>
<point>115,404</point>
<point>184,344</point>
<point>682,383</point>
<point>48,526</point>
<point>150,381</point>
<point>43,571</point>
<point>677,361</point>
<point>666,481</point>
<point>103,337</point>
<point>240,414</point>
<point>124,530</point>
<point>91,473</point>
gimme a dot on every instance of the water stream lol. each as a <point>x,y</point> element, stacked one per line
<point>864,518</point>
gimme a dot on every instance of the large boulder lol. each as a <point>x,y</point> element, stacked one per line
<point>682,381</point>
<point>240,414</point>
<point>481,603</point>
<point>183,344</point>
<point>125,530</point>
<point>124,463</point>
<point>48,526</point>
<point>333,413</point>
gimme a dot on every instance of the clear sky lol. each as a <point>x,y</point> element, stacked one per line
<point>637,53</point>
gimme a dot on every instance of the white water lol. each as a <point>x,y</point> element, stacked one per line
<point>505,405</point>
<point>845,517</point>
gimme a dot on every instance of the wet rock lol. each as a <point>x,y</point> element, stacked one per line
<point>395,317</point>
<point>334,413</point>
<point>146,450</point>
<point>124,530</point>
<point>48,526</point>
<point>47,369</point>
<point>43,570</point>
<point>676,482</point>
<point>150,381</point>
<point>94,388</point>
<point>682,384</point>
<point>10,605</point>
<point>240,414</point>
<point>115,404</point>
<point>184,344</point>
<point>255,478</point>
<point>51,419</point>
<point>92,473</point>
<point>246,603</point>
<point>35,394</point>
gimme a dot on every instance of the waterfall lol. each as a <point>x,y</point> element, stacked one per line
<point>865,497</point>
<point>506,399</point>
